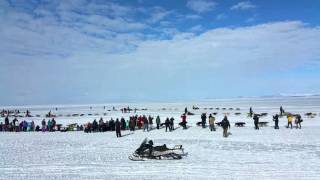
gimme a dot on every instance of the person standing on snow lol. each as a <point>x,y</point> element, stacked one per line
<point>256,121</point>
<point>118,128</point>
<point>290,118</point>
<point>281,111</point>
<point>6,123</point>
<point>32,128</point>
<point>49,125</point>
<point>132,124</point>
<point>123,123</point>
<point>140,121</point>
<point>298,121</point>
<point>167,123</point>
<point>54,123</point>
<point>203,120</point>
<point>158,121</point>
<point>150,120</point>
<point>211,123</point>
<point>43,123</point>
<point>184,121</point>
<point>225,124</point>
<point>276,121</point>
<point>250,112</point>
<point>171,124</point>
<point>145,124</point>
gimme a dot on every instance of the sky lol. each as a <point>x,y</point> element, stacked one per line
<point>99,51</point>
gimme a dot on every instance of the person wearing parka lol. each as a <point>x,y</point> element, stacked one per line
<point>158,121</point>
<point>211,122</point>
<point>225,124</point>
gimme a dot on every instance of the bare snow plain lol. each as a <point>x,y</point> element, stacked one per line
<point>246,154</point>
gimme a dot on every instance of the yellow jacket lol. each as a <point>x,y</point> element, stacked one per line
<point>211,120</point>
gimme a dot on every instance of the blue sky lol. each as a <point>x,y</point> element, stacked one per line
<point>97,51</point>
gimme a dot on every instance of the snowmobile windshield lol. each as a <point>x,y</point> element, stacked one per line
<point>144,141</point>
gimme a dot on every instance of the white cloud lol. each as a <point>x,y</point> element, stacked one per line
<point>94,47</point>
<point>193,16</point>
<point>197,28</point>
<point>158,14</point>
<point>260,48</point>
<point>244,5</point>
<point>251,19</point>
<point>116,24</point>
<point>201,6</point>
<point>221,16</point>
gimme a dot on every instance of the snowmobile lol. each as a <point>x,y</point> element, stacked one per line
<point>147,151</point>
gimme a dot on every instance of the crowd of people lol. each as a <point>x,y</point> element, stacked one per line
<point>296,118</point>
<point>135,122</point>
<point>24,126</point>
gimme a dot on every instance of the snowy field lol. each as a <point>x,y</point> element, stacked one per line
<point>246,154</point>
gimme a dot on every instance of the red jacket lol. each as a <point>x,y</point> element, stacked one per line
<point>184,118</point>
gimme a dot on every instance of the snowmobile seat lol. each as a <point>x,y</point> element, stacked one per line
<point>160,148</point>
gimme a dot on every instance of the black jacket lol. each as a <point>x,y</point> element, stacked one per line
<point>225,124</point>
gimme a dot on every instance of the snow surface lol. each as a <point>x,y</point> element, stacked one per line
<point>246,154</point>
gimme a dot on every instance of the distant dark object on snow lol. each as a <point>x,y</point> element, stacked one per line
<point>310,115</point>
<point>239,124</point>
<point>263,123</point>
<point>190,113</point>
<point>195,108</point>
<point>218,123</point>
<point>261,114</point>
<point>237,113</point>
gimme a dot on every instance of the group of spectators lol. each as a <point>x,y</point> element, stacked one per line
<point>134,122</point>
<point>24,126</point>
